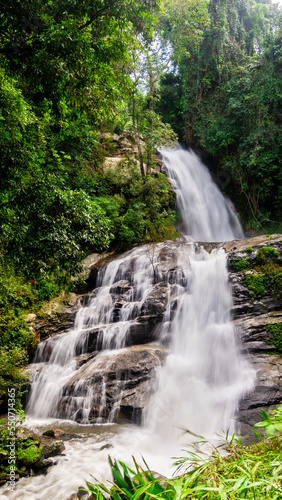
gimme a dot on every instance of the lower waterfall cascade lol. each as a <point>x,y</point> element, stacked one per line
<point>153,343</point>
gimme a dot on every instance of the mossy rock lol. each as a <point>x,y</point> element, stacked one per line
<point>52,449</point>
<point>29,455</point>
<point>240,265</point>
<point>255,282</point>
<point>276,331</point>
<point>265,254</point>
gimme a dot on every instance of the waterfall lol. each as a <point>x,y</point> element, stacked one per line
<point>207,215</point>
<point>204,372</point>
<point>155,338</point>
<point>204,375</point>
<point>105,325</point>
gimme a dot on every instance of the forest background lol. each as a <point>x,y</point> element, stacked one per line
<point>205,72</point>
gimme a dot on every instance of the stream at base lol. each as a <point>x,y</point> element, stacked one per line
<point>195,387</point>
<point>85,457</point>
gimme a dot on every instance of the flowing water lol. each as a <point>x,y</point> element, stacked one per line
<point>80,376</point>
<point>207,214</point>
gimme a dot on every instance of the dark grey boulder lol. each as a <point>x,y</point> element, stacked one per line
<point>126,375</point>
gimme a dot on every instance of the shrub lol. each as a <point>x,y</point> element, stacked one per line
<point>264,253</point>
<point>11,362</point>
<point>58,227</point>
<point>255,282</point>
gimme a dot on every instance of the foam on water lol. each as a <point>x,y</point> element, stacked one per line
<point>204,376</point>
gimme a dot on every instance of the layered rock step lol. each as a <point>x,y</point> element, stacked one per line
<point>125,322</point>
<point>112,386</point>
<point>253,316</point>
<point>102,369</point>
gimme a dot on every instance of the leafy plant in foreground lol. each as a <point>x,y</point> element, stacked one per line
<point>253,472</point>
<point>272,424</point>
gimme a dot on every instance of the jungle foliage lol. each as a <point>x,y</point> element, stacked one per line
<point>209,72</point>
<point>226,93</point>
<point>65,71</point>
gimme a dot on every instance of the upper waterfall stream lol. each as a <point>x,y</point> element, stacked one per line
<point>153,343</point>
<point>207,215</point>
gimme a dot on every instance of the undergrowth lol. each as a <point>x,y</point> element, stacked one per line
<point>265,278</point>
<point>19,296</point>
<point>253,472</point>
<point>27,449</point>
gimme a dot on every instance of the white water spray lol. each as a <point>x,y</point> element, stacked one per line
<point>204,376</point>
<point>207,214</point>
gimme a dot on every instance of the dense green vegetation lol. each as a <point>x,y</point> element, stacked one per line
<point>69,70</point>
<point>27,451</point>
<point>253,472</point>
<point>64,76</point>
<point>263,271</point>
<point>276,331</point>
<point>226,91</point>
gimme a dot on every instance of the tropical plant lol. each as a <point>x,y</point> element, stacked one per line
<point>253,472</point>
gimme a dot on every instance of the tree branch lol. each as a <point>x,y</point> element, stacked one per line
<point>97,14</point>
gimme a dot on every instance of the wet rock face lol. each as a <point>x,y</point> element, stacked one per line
<point>113,350</point>
<point>112,386</point>
<point>56,317</point>
<point>252,317</point>
<point>118,352</point>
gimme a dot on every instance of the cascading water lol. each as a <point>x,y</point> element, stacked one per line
<point>207,214</point>
<point>57,391</point>
<point>204,375</point>
<point>82,374</point>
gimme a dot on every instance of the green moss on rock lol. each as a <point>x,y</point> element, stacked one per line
<point>276,331</point>
<point>29,455</point>
<point>255,283</point>
<point>241,265</point>
<point>265,253</point>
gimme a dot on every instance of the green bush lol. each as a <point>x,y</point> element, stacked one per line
<point>58,227</point>
<point>255,282</point>
<point>272,421</point>
<point>265,278</point>
<point>132,227</point>
<point>11,362</point>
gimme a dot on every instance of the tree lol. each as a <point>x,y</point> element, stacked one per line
<point>230,87</point>
<point>150,61</point>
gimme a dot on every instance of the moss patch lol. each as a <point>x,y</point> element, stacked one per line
<point>255,283</point>
<point>266,253</point>
<point>29,455</point>
<point>241,265</point>
<point>265,274</point>
<point>276,331</point>
<point>266,278</point>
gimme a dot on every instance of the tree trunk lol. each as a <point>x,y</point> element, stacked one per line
<point>137,138</point>
<point>150,146</point>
